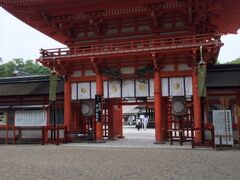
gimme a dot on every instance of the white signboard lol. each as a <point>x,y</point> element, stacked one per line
<point>74,91</point>
<point>222,122</point>
<point>31,118</point>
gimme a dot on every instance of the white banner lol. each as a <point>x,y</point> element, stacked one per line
<point>176,86</point>
<point>165,87</point>
<point>93,90</point>
<point>31,118</point>
<point>151,84</point>
<point>142,88</point>
<point>74,91</point>
<point>105,89</point>
<point>128,88</point>
<point>222,122</point>
<point>114,89</point>
<point>84,90</point>
<point>188,86</point>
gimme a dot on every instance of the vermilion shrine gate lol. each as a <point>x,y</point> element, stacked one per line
<point>131,52</point>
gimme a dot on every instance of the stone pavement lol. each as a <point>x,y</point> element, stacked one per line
<point>134,139</point>
<point>134,158</point>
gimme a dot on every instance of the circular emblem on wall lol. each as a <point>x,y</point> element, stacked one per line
<point>142,87</point>
<point>87,108</point>
<point>176,86</point>
<point>114,88</point>
<point>179,106</point>
<point>83,90</point>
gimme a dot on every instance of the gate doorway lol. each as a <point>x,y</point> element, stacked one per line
<point>132,114</point>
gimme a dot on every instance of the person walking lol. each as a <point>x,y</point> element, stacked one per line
<point>138,124</point>
<point>145,122</point>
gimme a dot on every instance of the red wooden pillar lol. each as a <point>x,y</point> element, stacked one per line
<point>75,117</point>
<point>48,123</point>
<point>159,135</point>
<point>110,119</point>
<point>118,122</point>
<point>164,117</point>
<point>99,91</point>
<point>67,104</point>
<point>197,111</point>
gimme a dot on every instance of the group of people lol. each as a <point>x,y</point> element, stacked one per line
<point>142,122</point>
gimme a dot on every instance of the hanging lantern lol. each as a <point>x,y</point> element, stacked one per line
<point>202,75</point>
<point>53,87</point>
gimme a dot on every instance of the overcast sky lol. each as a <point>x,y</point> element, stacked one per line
<point>18,40</point>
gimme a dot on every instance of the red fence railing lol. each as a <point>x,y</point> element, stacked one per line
<point>92,50</point>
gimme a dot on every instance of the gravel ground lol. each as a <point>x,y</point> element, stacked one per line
<point>103,163</point>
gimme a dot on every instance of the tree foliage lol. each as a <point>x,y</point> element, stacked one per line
<point>236,61</point>
<point>29,66</point>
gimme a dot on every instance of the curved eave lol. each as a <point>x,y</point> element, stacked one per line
<point>226,15</point>
<point>37,24</point>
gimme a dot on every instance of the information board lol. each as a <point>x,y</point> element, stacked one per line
<point>98,108</point>
<point>222,122</point>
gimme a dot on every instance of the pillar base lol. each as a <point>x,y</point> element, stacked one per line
<point>159,142</point>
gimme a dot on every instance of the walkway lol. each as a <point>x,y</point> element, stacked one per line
<point>133,139</point>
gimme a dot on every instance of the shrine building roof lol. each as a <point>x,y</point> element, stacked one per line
<point>79,20</point>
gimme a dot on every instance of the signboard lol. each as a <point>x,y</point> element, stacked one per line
<point>222,122</point>
<point>74,91</point>
<point>3,118</point>
<point>31,118</point>
<point>98,107</point>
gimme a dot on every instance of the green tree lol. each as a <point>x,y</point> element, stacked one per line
<point>28,66</point>
<point>236,61</point>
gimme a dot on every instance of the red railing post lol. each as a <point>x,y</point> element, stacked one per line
<point>6,134</point>
<point>14,134</point>
<point>43,136</point>
<point>57,143</point>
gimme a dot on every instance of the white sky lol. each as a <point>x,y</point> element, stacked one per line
<point>18,40</point>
